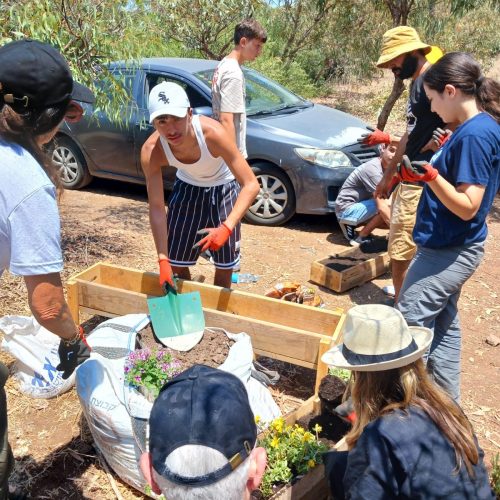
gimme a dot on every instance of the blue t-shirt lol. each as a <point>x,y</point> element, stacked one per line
<point>470,156</point>
<point>30,240</point>
<point>404,455</point>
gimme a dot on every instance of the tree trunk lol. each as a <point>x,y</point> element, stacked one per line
<point>397,89</point>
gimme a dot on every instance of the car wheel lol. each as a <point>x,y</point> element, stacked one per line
<point>69,160</point>
<point>275,203</point>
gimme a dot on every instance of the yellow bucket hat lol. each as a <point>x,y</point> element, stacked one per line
<point>400,40</point>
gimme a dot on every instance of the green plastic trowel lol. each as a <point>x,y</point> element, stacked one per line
<point>177,318</point>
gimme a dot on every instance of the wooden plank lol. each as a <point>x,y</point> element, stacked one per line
<point>312,486</point>
<point>322,321</point>
<point>300,347</point>
<point>91,274</point>
<point>322,370</point>
<point>72,300</point>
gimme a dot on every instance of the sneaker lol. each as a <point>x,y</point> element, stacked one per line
<point>350,232</point>
<point>356,242</point>
<point>389,290</point>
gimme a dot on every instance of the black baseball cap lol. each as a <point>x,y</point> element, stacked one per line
<point>34,75</point>
<point>202,406</point>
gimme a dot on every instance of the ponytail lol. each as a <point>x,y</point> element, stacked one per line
<point>463,72</point>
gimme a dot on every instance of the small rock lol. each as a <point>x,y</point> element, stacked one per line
<point>471,360</point>
<point>492,340</point>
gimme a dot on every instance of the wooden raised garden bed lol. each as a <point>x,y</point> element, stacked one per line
<point>348,268</point>
<point>282,330</point>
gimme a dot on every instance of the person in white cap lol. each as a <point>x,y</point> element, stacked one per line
<point>410,439</point>
<point>214,187</point>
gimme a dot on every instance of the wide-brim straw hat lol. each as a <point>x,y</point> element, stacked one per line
<point>398,41</point>
<point>377,338</point>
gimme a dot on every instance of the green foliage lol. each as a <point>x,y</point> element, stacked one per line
<point>340,373</point>
<point>495,474</point>
<point>293,77</point>
<point>151,368</point>
<point>291,451</point>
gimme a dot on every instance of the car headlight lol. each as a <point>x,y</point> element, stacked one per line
<point>330,158</point>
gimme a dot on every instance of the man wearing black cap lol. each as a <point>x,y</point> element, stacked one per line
<point>202,437</point>
<point>36,94</point>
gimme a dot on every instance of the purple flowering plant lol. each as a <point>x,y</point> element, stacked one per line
<point>151,368</point>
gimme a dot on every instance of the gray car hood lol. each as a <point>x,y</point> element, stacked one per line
<point>318,126</point>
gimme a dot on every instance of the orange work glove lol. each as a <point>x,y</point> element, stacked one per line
<point>376,137</point>
<point>215,237</point>
<point>416,171</point>
<point>166,274</point>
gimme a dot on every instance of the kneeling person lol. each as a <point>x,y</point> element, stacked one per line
<point>214,187</point>
<point>202,439</point>
<point>355,203</point>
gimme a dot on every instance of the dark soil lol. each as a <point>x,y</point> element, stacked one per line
<point>333,428</point>
<point>342,262</point>
<point>212,350</point>
<point>330,392</point>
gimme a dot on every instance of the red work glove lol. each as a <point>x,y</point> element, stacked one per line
<point>416,171</point>
<point>440,136</point>
<point>396,179</point>
<point>166,274</point>
<point>215,237</point>
<point>376,137</point>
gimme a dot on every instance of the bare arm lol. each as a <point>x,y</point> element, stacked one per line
<point>382,190</point>
<point>464,200</point>
<point>152,159</point>
<point>219,144</point>
<point>48,305</point>
<point>227,121</point>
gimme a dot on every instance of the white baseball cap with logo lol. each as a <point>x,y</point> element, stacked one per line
<point>168,98</point>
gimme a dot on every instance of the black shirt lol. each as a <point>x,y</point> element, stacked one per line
<point>421,121</point>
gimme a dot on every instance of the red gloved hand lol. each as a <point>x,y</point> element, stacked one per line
<point>396,179</point>
<point>166,274</point>
<point>376,137</point>
<point>440,136</point>
<point>215,237</point>
<point>416,171</point>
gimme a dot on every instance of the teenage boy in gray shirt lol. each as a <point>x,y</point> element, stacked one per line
<point>228,83</point>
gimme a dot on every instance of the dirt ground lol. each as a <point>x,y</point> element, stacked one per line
<point>108,222</point>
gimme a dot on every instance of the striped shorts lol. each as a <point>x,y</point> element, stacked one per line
<point>191,208</point>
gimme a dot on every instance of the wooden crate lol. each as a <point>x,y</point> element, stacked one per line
<point>290,332</point>
<point>343,271</point>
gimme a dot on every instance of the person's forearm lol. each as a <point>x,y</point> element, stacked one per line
<point>48,305</point>
<point>462,204</point>
<point>246,197</point>
<point>158,223</point>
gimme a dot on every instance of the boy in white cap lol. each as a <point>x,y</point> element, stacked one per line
<point>213,189</point>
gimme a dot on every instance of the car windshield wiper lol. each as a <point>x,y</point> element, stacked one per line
<point>290,108</point>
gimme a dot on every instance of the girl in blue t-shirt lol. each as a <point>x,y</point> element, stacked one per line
<point>461,179</point>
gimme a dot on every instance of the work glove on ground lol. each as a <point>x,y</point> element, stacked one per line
<point>440,136</point>
<point>72,354</point>
<point>166,273</point>
<point>416,171</point>
<point>346,411</point>
<point>375,137</point>
<point>215,237</point>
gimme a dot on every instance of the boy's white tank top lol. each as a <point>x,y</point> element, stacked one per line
<point>207,171</point>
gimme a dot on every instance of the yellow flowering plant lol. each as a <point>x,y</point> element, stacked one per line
<point>291,452</point>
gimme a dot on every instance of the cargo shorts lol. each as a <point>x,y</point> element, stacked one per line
<point>403,214</point>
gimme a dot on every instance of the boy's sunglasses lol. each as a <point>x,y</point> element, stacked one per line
<point>73,113</point>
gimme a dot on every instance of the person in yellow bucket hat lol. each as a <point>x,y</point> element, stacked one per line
<point>404,53</point>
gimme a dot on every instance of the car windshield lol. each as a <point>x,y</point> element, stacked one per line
<point>263,96</point>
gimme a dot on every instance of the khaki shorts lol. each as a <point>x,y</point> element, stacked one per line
<point>403,214</point>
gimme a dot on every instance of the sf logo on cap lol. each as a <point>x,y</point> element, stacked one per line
<point>163,98</point>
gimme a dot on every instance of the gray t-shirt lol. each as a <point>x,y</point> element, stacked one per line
<point>30,239</point>
<point>228,96</point>
<point>360,185</point>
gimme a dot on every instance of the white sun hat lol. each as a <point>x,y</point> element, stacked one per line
<point>168,98</point>
<point>376,338</point>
